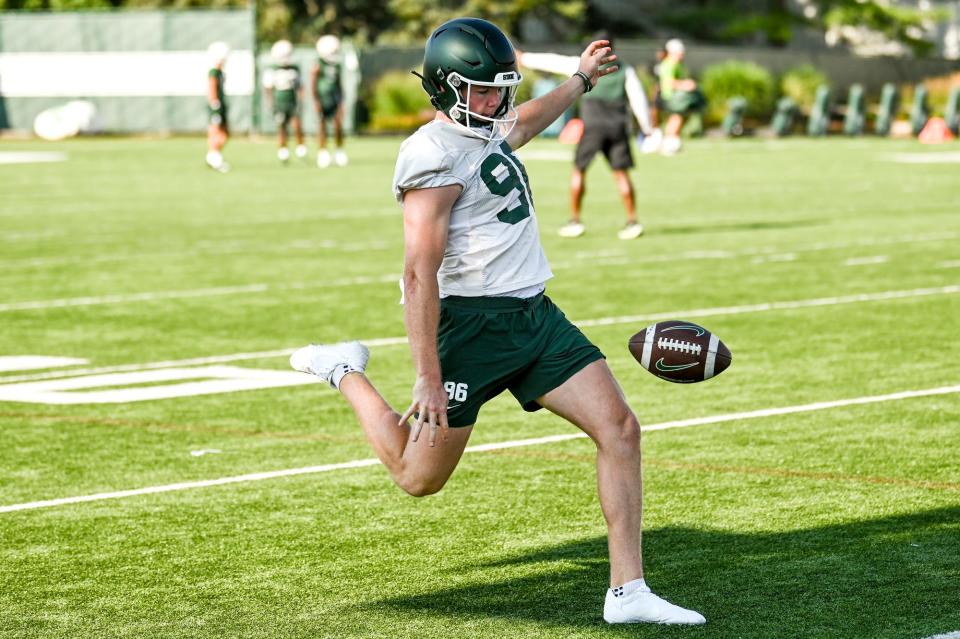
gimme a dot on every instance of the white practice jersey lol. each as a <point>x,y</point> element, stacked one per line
<point>493,244</point>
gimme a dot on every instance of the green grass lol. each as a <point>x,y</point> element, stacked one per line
<point>842,522</point>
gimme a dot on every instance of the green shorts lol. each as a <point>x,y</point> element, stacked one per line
<point>489,344</point>
<point>218,117</point>
<point>284,112</point>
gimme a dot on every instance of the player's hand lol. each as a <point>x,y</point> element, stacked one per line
<point>597,54</point>
<point>430,405</point>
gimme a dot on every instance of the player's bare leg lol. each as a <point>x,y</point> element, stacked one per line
<point>594,402</point>
<point>633,229</point>
<point>339,156</point>
<point>577,190</point>
<point>415,466</point>
<point>671,135</point>
<point>323,155</point>
<point>216,139</point>
<point>283,153</point>
<point>625,186</point>
<point>301,148</point>
<point>575,228</point>
<point>420,467</point>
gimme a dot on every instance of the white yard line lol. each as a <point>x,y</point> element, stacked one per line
<point>950,635</point>
<point>27,157</point>
<point>359,463</point>
<point>200,292</point>
<point>775,306</point>
<point>858,298</point>
<point>865,261</point>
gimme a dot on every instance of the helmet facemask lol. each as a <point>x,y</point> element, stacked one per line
<point>501,123</point>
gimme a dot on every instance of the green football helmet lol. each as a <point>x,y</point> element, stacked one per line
<point>464,53</point>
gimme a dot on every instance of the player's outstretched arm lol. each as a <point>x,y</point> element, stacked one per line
<point>536,115</point>
<point>426,219</point>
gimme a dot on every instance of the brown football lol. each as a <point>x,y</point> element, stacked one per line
<point>680,352</point>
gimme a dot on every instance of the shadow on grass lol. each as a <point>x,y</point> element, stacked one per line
<point>888,577</point>
<point>737,226</point>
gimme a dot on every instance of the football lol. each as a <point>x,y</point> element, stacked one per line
<point>680,352</point>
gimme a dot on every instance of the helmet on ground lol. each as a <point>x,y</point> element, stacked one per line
<point>328,46</point>
<point>217,52</point>
<point>465,53</point>
<point>281,50</point>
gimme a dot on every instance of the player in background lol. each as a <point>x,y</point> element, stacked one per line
<point>328,98</point>
<point>477,319</point>
<point>218,129</point>
<point>651,143</point>
<point>605,112</point>
<point>678,93</point>
<point>285,92</point>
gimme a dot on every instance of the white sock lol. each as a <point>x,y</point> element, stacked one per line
<point>214,158</point>
<point>338,374</point>
<point>631,587</point>
<point>283,153</point>
<point>301,151</point>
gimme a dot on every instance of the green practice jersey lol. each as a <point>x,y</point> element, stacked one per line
<point>611,89</point>
<point>670,70</point>
<point>328,79</point>
<point>284,80</point>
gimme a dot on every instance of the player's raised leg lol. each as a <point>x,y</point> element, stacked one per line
<point>594,402</point>
<point>415,466</point>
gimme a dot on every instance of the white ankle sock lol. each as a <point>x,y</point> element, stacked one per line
<point>338,374</point>
<point>631,587</point>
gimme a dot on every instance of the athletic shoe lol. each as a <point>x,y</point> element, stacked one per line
<point>670,146</point>
<point>642,606</point>
<point>572,229</point>
<point>631,231</point>
<point>323,158</point>
<point>216,162</point>
<point>301,151</point>
<point>651,143</point>
<point>330,362</point>
<point>340,157</point>
<point>283,154</point>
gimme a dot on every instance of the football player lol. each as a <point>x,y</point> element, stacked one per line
<point>328,98</point>
<point>218,129</point>
<point>606,129</point>
<point>284,90</point>
<point>678,93</point>
<point>477,319</point>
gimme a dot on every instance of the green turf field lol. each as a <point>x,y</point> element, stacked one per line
<point>829,267</point>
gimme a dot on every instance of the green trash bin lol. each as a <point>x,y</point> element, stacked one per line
<point>783,117</point>
<point>889,103</point>
<point>733,122</point>
<point>952,113</point>
<point>819,121</point>
<point>854,118</point>
<point>920,111</point>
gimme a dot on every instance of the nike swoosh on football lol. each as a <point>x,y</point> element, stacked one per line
<point>700,331</point>
<point>666,368</point>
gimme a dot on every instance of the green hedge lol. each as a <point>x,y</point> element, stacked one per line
<point>800,84</point>
<point>720,82</point>
<point>398,103</point>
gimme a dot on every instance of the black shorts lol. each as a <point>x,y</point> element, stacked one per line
<point>604,130</point>
<point>491,344</point>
